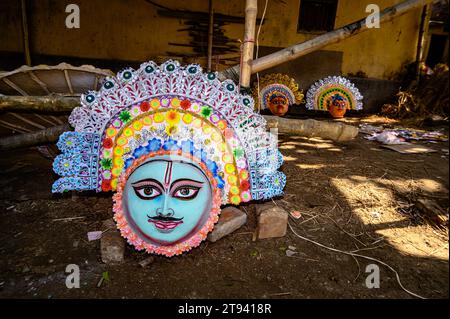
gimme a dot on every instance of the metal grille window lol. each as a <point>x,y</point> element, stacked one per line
<point>317,15</point>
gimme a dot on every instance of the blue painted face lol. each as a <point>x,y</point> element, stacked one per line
<point>167,199</point>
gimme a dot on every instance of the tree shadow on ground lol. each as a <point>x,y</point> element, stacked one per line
<point>364,199</point>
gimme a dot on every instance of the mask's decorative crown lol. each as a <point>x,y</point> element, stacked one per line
<point>326,89</point>
<point>170,108</point>
<point>279,84</point>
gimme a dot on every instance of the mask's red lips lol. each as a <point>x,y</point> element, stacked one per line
<point>165,225</point>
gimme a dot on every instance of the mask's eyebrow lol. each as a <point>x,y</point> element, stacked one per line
<point>148,182</point>
<point>185,182</point>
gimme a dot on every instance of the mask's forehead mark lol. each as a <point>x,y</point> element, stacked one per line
<point>157,175</point>
<point>168,175</point>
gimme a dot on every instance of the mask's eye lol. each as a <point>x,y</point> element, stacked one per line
<point>147,192</point>
<point>186,192</point>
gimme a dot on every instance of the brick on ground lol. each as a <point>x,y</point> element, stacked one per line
<point>230,220</point>
<point>272,221</point>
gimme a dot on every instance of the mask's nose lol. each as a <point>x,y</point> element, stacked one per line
<point>165,210</point>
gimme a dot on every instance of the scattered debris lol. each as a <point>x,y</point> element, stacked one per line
<point>94,235</point>
<point>296,214</point>
<point>375,214</point>
<point>387,137</point>
<point>398,135</point>
<point>290,253</point>
<point>398,139</point>
<point>68,218</point>
<point>272,221</point>
<point>409,148</point>
<point>256,254</point>
<point>255,235</point>
<point>112,244</point>
<point>105,277</point>
<point>369,129</point>
<point>147,261</point>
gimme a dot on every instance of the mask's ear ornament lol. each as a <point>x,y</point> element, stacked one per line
<point>334,94</point>
<point>175,144</point>
<point>277,92</point>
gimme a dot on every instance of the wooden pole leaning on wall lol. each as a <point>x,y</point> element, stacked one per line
<point>323,40</point>
<point>423,34</point>
<point>251,9</point>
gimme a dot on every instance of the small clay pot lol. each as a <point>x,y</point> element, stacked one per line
<point>337,111</point>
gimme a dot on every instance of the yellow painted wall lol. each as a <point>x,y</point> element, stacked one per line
<point>132,30</point>
<point>378,52</point>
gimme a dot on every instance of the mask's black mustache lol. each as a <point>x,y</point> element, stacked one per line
<point>165,218</point>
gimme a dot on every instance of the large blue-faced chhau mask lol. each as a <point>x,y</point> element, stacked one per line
<point>174,144</point>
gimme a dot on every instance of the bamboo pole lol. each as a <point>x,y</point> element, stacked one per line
<point>335,131</point>
<point>48,135</point>
<point>328,38</point>
<point>38,103</point>
<point>210,34</point>
<point>251,8</point>
<point>423,34</point>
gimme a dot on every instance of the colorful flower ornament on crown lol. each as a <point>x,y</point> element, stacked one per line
<point>334,94</point>
<point>277,92</point>
<point>174,144</point>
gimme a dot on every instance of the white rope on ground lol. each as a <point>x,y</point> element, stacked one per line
<point>257,49</point>
<point>361,256</point>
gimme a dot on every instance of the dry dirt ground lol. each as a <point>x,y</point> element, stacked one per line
<point>353,197</point>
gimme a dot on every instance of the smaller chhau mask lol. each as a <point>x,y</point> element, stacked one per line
<point>277,98</point>
<point>277,93</point>
<point>334,91</point>
<point>174,144</point>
